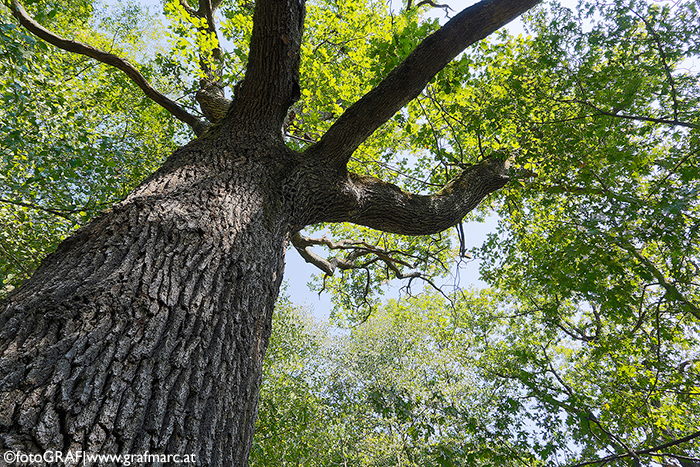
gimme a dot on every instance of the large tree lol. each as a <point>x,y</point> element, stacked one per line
<point>145,330</point>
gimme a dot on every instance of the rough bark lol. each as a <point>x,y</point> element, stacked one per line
<point>145,331</point>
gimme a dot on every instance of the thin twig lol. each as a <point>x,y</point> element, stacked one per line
<point>639,118</point>
<point>642,452</point>
<point>56,212</point>
<point>664,62</point>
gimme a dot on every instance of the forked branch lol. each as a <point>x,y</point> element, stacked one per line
<point>107,58</point>
<point>358,249</point>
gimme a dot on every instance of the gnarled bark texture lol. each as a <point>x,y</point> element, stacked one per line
<point>145,331</point>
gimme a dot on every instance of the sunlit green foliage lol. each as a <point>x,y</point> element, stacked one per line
<point>418,398</point>
<point>591,389</point>
<point>598,111</point>
<point>399,390</point>
<point>291,412</point>
<point>75,136</point>
<point>586,345</point>
<point>484,380</point>
<point>609,215</point>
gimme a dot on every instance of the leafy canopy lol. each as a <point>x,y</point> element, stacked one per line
<point>584,352</point>
<point>75,136</point>
<point>483,380</point>
<point>587,341</point>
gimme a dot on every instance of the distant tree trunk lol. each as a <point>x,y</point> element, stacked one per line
<point>146,330</point>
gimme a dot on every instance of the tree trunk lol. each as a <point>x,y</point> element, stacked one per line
<point>145,331</point>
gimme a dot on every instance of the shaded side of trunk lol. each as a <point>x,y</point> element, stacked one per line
<point>145,331</point>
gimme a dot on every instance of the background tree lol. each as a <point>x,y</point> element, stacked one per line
<point>295,426</point>
<point>145,329</point>
<point>480,379</point>
<point>76,134</point>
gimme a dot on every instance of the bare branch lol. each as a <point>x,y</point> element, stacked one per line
<point>303,246</point>
<point>409,5</point>
<point>207,12</point>
<point>433,4</point>
<point>186,6</point>
<point>171,106</point>
<point>211,97</point>
<point>358,249</point>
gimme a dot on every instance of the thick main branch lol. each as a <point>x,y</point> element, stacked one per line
<point>383,206</point>
<point>271,83</point>
<point>408,79</point>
